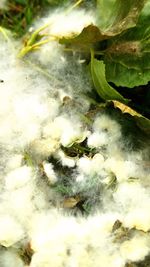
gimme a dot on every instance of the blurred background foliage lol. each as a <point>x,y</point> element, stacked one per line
<point>19,14</point>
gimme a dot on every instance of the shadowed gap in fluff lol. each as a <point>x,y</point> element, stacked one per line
<point>34,120</point>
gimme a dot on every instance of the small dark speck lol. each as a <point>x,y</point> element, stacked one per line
<point>1,81</point>
<point>68,252</point>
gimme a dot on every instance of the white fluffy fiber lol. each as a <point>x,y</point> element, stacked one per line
<point>63,23</point>
<point>85,241</point>
<point>34,120</point>
<point>48,170</point>
<point>10,258</point>
<point>135,249</point>
<point>10,231</point>
<point>105,132</point>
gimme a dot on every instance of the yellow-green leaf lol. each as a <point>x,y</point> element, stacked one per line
<point>141,121</point>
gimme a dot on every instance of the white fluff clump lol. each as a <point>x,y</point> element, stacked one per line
<point>97,140</point>
<point>10,231</point>
<point>91,166</point>
<point>139,218</point>
<point>105,132</point>
<point>123,169</point>
<point>10,258</point>
<point>15,161</point>
<point>62,23</point>
<point>66,160</point>
<point>18,178</point>
<point>80,241</point>
<point>104,123</point>
<point>41,110</point>
<point>48,170</point>
<point>25,111</point>
<point>134,199</point>
<point>66,131</point>
<point>135,249</point>
<point>44,147</point>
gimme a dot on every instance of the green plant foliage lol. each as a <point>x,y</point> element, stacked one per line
<point>102,87</point>
<point>34,42</point>
<point>143,123</point>
<point>115,16</point>
<point>122,75</point>
<point>20,13</point>
<point>86,39</point>
<point>127,57</point>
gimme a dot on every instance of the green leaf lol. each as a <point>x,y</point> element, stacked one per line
<point>127,57</point>
<point>21,2</point>
<point>89,36</point>
<point>115,16</point>
<point>28,15</point>
<point>102,87</point>
<point>141,121</point>
<point>145,14</point>
<point>125,76</point>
